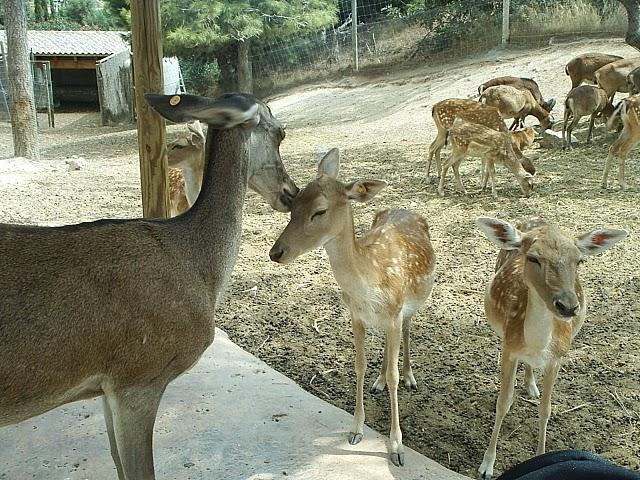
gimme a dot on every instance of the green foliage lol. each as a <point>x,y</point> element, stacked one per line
<point>207,26</point>
<point>200,76</point>
<point>41,10</point>
<point>87,13</point>
<point>57,23</point>
<point>120,11</point>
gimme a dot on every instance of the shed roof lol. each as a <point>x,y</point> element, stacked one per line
<point>74,43</point>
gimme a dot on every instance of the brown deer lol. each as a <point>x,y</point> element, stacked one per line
<point>633,81</point>
<point>582,68</point>
<point>186,167</point>
<point>629,112</point>
<point>581,101</point>
<point>472,139</point>
<point>93,309</point>
<point>446,111</point>
<point>385,275</point>
<point>522,84</point>
<point>535,302</point>
<point>613,76</point>
<point>514,103</point>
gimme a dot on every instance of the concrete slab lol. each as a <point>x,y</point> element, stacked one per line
<point>231,417</point>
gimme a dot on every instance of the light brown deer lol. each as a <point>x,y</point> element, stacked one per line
<point>472,139</point>
<point>581,101</point>
<point>522,84</point>
<point>524,138</point>
<point>446,111</point>
<point>514,103</point>
<point>535,302</point>
<point>385,275</point>
<point>582,68</point>
<point>186,167</point>
<point>93,309</point>
<point>629,112</point>
<point>613,76</point>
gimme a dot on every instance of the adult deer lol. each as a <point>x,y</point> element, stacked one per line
<point>120,308</point>
<point>536,303</point>
<point>385,275</point>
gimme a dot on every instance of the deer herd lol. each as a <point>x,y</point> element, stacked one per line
<point>91,309</point>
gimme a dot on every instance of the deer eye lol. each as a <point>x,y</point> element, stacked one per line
<point>534,260</point>
<point>319,213</point>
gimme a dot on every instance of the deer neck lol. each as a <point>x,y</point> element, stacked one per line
<point>538,322</point>
<point>211,229</point>
<point>345,256</point>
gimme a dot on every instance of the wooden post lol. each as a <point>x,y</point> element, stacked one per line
<point>354,32</point>
<point>505,22</point>
<point>147,65</point>
<point>20,77</point>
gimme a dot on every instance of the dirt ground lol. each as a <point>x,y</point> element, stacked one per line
<point>292,316</point>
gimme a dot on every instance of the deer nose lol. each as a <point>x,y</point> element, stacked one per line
<point>276,252</point>
<point>288,194</point>
<point>566,310</point>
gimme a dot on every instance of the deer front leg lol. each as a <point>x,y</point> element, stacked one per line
<point>133,413</point>
<point>357,428</point>
<point>381,381</point>
<point>392,346</point>
<point>503,404</point>
<point>590,131</point>
<point>544,410</point>
<point>108,417</point>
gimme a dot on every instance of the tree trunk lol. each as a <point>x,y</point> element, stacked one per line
<point>23,116</point>
<point>633,16</point>
<point>244,68</point>
<point>227,59</point>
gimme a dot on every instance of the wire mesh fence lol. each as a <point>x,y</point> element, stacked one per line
<point>402,31</point>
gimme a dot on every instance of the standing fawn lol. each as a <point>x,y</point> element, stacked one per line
<point>446,111</point>
<point>514,103</point>
<point>472,139</point>
<point>535,302</point>
<point>385,275</point>
<point>522,84</point>
<point>629,112</point>
<point>120,308</point>
<point>581,101</point>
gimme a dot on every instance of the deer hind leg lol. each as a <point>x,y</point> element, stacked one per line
<point>392,347</point>
<point>530,382</point>
<point>503,404</point>
<point>590,131</point>
<point>407,372</point>
<point>569,132</point>
<point>434,149</point>
<point>130,415</point>
<point>357,428</point>
<point>544,410</point>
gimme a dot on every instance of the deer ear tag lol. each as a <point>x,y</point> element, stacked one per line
<point>175,100</point>
<point>362,189</point>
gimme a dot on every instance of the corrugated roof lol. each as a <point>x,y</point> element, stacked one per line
<point>75,43</point>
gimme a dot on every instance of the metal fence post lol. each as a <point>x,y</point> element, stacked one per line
<point>505,22</point>
<point>354,32</point>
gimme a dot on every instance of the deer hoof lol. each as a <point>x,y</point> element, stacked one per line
<point>354,438</point>
<point>397,458</point>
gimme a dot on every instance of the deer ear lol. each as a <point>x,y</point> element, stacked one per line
<point>364,190</point>
<point>330,164</point>
<point>502,233</point>
<point>600,240</point>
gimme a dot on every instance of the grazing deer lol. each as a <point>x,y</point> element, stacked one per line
<point>583,67</point>
<point>581,101</point>
<point>446,111</point>
<point>472,139</point>
<point>613,76</point>
<point>385,275</point>
<point>93,309</point>
<point>186,167</point>
<point>629,112</point>
<point>514,103</point>
<point>535,302</point>
<point>522,84</point>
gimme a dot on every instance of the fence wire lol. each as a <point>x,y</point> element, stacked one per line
<point>403,31</point>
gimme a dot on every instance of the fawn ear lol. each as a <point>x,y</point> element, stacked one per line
<point>330,164</point>
<point>364,190</point>
<point>600,240</point>
<point>502,233</point>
